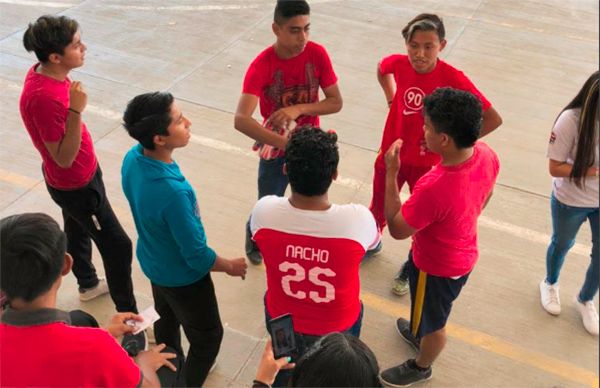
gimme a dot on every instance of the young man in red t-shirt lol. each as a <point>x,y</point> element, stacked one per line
<point>312,248</point>
<point>52,107</point>
<point>441,216</point>
<point>406,80</point>
<point>284,79</point>
<point>43,346</point>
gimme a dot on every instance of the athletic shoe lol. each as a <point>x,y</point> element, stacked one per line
<point>374,251</point>
<point>403,328</point>
<point>588,315</point>
<point>550,298</point>
<point>404,375</point>
<point>135,343</point>
<point>86,294</point>
<point>400,286</point>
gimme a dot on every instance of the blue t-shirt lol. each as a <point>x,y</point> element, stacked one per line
<point>171,246</point>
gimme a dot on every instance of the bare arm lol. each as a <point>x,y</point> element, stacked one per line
<point>245,123</point>
<point>65,151</point>
<point>387,84</point>
<point>563,169</point>
<point>331,104</point>
<point>491,121</point>
<point>232,267</point>
<point>398,227</point>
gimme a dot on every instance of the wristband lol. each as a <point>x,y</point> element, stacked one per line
<point>74,111</point>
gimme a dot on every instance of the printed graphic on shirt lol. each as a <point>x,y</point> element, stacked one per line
<point>413,100</point>
<point>281,96</point>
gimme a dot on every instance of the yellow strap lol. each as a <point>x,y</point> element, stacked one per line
<point>419,299</point>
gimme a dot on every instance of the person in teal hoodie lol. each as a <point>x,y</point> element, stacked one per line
<point>172,247</point>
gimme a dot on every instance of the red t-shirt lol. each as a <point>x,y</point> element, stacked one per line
<point>44,109</point>
<point>59,355</point>
<point>312,260</point>
<point>444,208</point>
<point>405,119</point>
<point>279,83</point>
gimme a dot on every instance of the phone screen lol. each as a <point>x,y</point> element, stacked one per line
<point>282,336</point>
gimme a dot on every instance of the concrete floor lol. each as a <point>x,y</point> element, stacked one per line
<point>528,57</point>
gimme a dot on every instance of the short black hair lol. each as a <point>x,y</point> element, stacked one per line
<point>311,158</point>
<point>287,9</point>
<point>33,254</point>
<point>337,360</point>
<point>49,35</point>
<point>456,113</point>
<point>148,115</point>
<point>424,22</point>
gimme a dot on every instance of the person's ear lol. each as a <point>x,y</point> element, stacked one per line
<point>335,175</point>
<point>158,140</point>
<point>67,265</point>
<point>275,28</point>
<point>443,44</point>
<point>54,58</point>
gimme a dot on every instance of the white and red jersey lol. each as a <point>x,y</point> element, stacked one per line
<point>312,260</point>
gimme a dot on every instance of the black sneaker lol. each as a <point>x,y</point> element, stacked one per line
<point>404,375</point>
<point>134,343</point>
<point>403,327</point>
<point>252,252</point>
<point>374,251</point>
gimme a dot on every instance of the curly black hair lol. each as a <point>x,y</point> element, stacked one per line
<point>49,35</point>
<point>311,158</point>
<point>148,115</point>
<point>456,113</point>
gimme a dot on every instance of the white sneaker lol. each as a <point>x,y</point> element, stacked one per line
<point>588,315</point>
<point>86,294</point>
<point>550,298</point>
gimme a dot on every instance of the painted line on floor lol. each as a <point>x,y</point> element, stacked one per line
<point>562,369</point>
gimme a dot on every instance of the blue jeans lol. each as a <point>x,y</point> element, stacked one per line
<point>304,343</point>
<point>566,221</point>
<point>271,179</point>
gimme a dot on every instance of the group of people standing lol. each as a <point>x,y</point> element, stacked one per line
<point>311,248</point>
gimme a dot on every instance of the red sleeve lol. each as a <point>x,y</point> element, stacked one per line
<point>50,116</point>
<point>328,76</point>
<point>464,83</point>
<point>112,366</point>
<point>420,209</point>
<point>388,64</point>
<point>253,83</point>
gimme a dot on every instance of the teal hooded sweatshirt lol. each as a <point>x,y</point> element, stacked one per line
<point>171,246</point>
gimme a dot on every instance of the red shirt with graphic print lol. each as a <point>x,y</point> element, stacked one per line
<point>279,83</point>
<point>405,119</point>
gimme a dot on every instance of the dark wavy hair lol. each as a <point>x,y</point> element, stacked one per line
<point>49,35</point>
<point>311,158</point>
<point>456,113</point>
<point>587,101</point>
<point>337,360</point>
<point>33,253</point>
<point>148,115</point>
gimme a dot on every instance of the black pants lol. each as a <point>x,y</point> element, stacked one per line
<point>195,308</point>
<point>87,216</point>
<point>166,376</point>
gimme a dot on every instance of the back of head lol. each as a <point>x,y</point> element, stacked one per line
<point>337,360</point>
<point>456,113</point>
<point>148,115</point>
<point>49,35</point>
<point>33,253</point>
<point>287,9</point>
<point>424,22</point>
<point>311,158</point>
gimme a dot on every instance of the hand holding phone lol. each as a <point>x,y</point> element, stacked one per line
<point>282,336</point>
